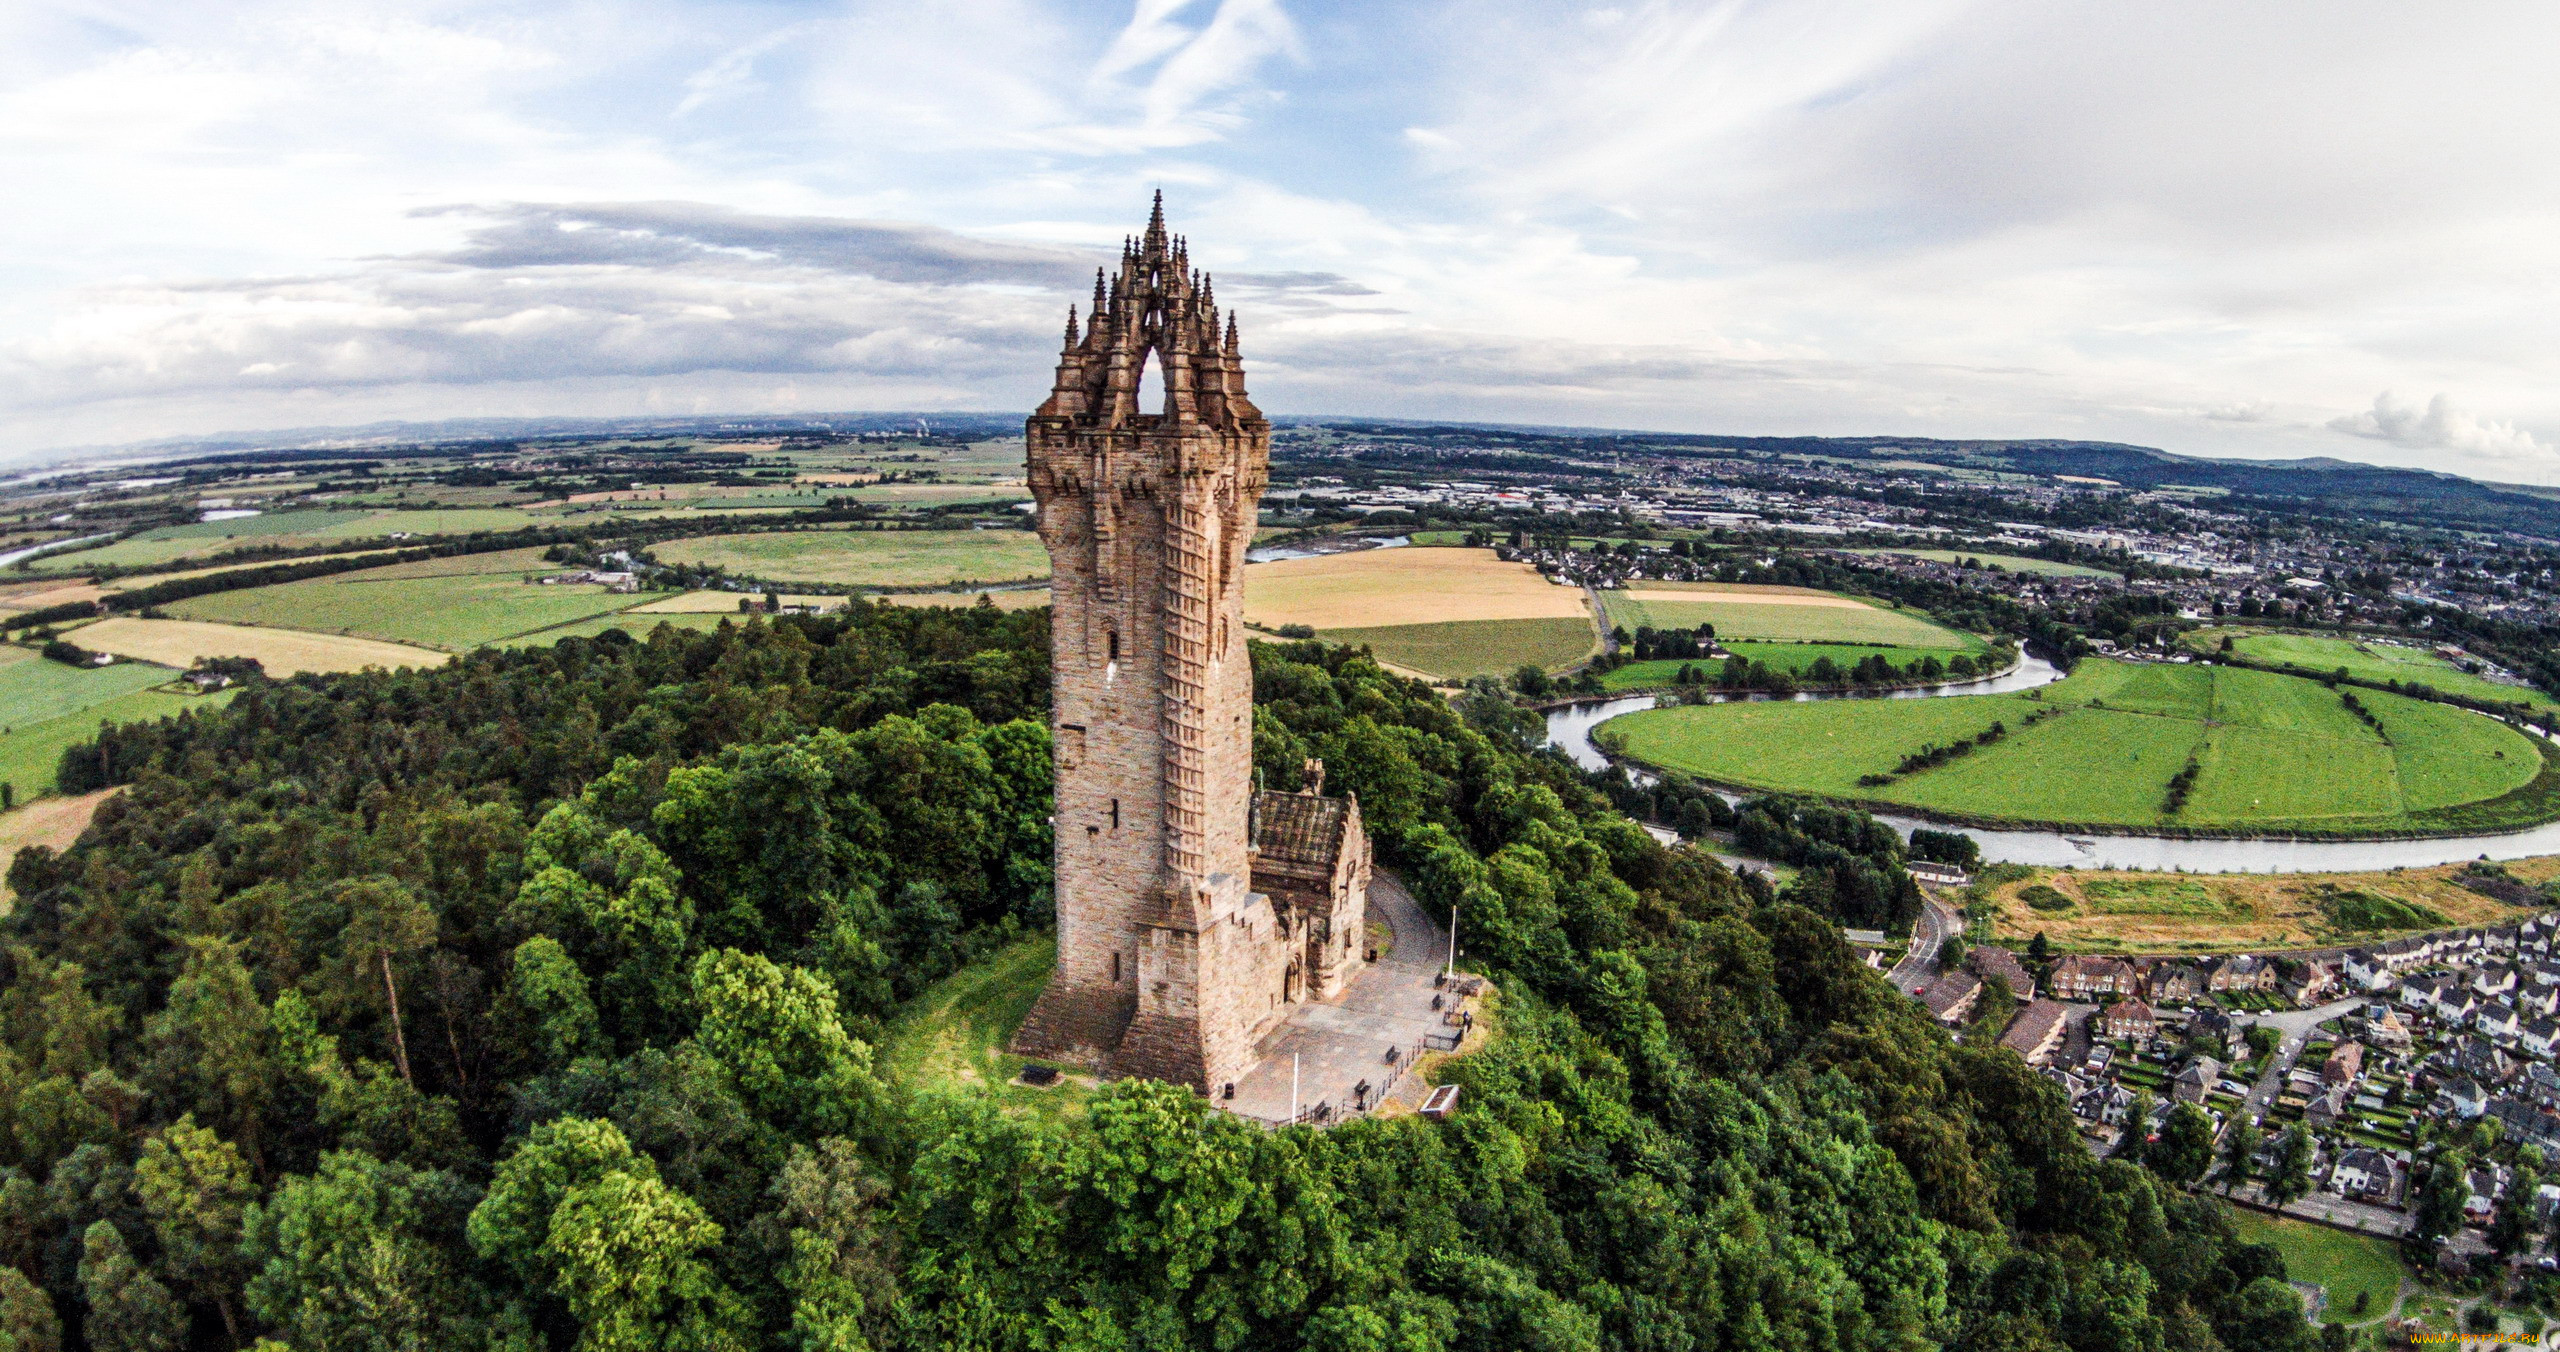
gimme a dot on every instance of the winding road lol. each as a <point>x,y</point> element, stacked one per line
<point>1938,923</point>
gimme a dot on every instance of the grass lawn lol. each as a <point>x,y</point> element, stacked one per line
<point>30,753</point>
<point>952,1037</point>
<point>1787,614</point>
<point>2015,563</point>
<point>1462,648</point>
<point>2274,752</point>
<point>868,558</point>
<point>2371,660</point>
<point>2345,1264</point>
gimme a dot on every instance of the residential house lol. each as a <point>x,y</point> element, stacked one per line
<point>2496,1021</point>
<point>2210,1025</point>
<point>2079,978</point>
<point>2246,972</point>
<point>2366,971</point>
<point>2108,1103</point>
<point>2195,1079</point>
<point>2402,954</point>
<point>2385,1030</point>
<point>2130,1019</point>
<point>2539,1036</point>
<point>1990,960</point>
<point>2365,1175</point>
<point>2326,1110</point>
<point>2345,1063</point>
<point>2463,1097</point>
<point>2545,973</point>
<point>2535,1001</point>
<point>2480,1196</point>
<point>2176,983</point>
<point>2308,983</point>
<point>2038,1031</point>
<point>2525,1123</point>
<point>2494,981</point>
<point>1951,997</point>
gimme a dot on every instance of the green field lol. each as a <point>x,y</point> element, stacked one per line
<point>2342,1263</point>
<point>2369,661</point>
<point>33,689</point>
<point>1819,619</point>
<point>1457,649</point>
<point>2273,753</point>
<point>1793,658</point>
<point>405,603</point>
<point>915,558</point>
<point>2016,563</point>
<point>31,752</point>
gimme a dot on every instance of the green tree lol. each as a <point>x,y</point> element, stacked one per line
<point>577,1212</point>
<point>27,1320</point>
<point>553,991</point>
<point>356,1258</point>
<point>384,923</point>
<point>2240,1153</point>
<point>2135,1142</point>
<point>196,1190</point>
<point>2291,1178</point>
<point>2185,1148</point>
<point>210,1042</point>
<point>129,1310</point>
<point>2439,1211</point>
<point>776,1031</point>
<point>842,1269</point>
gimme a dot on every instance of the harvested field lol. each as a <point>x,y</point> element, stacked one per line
<point>282,652</point>
<point>2129,912</point>
<point>37,596</point>
<point>1379,588</point>
<point>52,822</point>
<point>904,558</point>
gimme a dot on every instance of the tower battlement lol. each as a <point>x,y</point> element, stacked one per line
<point>1170,964</point>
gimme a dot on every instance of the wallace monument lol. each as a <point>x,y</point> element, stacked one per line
<point>1194,914</point>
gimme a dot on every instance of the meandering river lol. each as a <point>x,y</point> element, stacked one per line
<point>1570,729</point>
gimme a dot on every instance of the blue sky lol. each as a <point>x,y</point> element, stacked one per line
<point>2238,230</point>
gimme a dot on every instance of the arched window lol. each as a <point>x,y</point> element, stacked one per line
<point>1151,397</point>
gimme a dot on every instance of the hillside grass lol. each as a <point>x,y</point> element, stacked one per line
<point>917,558</point>
<point>951,1038</point>
<point>2118,911</point>
<point>34,689</point>
<point>396,605</point>
<point>1793,658</point>
<point>2275,753</point>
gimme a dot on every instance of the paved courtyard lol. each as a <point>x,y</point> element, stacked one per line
<point>1340,1045</point>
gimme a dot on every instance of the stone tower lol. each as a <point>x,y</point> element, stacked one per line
<point>1169,964</point>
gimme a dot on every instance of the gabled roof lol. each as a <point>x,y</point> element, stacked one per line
<point>1296,832</point>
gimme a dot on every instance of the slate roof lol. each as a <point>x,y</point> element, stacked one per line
<point>1295,832</point>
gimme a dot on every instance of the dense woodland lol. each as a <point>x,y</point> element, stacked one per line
<point>527,1003</point>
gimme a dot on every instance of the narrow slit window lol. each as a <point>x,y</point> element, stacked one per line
<point>1115,645</point>
<point>1115,969</point>
<point>1115,814</point>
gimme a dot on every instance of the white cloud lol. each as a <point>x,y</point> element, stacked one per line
<point>2438,427</point>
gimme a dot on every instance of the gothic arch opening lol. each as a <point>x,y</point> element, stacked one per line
<point>1151,382</point>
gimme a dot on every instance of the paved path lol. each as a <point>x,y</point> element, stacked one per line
<point>1338,1045</point>
<point>1937,923</point>
<point>2297,1026</point>
<point>1600,621</point>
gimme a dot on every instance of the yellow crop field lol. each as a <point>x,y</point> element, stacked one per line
<point>54,823</point>
<point>283,652</point>
<point>1392,587</point>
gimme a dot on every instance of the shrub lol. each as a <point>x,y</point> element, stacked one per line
<point>2045,897</point>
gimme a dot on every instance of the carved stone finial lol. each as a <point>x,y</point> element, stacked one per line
<point>1313,775</point>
